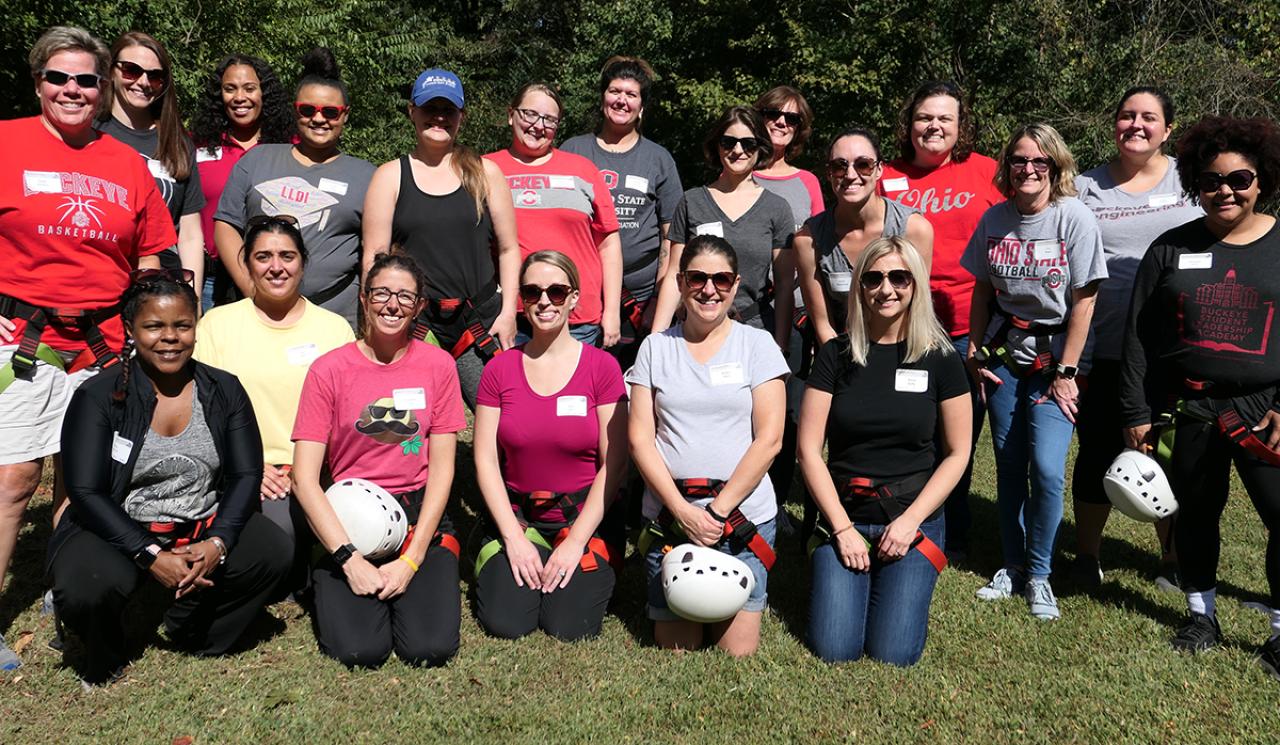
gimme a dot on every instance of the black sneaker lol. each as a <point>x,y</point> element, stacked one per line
<point>1201,634</point>
<point>1085,572</point>
<point>1269,656</point>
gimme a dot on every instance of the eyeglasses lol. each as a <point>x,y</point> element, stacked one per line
<point>1039,165</point>
<point>157,79</point>
<point>383,295</point>
<point>792,119</point>
<point>557,293</point>
<point>143,276</point>
<point>271,220</point>
<point>899,279</point>
<point>529,116</point>
<point>308,111</point>
<point>696,280</point>
<point>748,144</point>
<point>84,79</point>
<point>866,167</point>
<point>1240,180</point>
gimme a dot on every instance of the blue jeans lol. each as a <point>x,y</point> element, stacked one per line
<point>756,602</point>
<point>959,516</point>
<point>1031,441</point>
<point>883,613</point>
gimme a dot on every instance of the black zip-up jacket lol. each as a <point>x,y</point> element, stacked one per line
<point>98,484</point>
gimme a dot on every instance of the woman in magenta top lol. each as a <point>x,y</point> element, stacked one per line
<point>550,452</point>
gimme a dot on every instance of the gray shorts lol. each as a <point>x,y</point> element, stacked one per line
<point>31,411</point>
<point>756,602</point>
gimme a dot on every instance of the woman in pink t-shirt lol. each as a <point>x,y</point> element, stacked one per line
<point>551,453</point>
<point>376,409</point>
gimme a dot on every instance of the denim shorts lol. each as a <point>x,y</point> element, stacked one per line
<point>756,602</point>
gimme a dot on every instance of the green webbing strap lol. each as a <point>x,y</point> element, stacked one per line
<point>44,353</point>
<point>492,548</point>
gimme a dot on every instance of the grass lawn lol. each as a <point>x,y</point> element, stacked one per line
<point>991,673</point>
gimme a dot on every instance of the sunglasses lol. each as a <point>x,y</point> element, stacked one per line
<point>308,111</point>
<point>866,167</point>
<point>1240,180</point>
<point>1039,165</point>
<point>143,276</point>
<point>748,144</point>
<point>383,295</point>
<point>696,280</point>
<point>529,116</point>
<point>792,119</point>
<point>557,293</point>
<point>84,79</point>
<point>157,79</point>
<point>899,279</point>
<point>271,220</point>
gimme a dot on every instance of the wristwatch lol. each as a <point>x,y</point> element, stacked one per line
<point>147,556</point>
<point>1067,372</point>
<point>981,354</point>
<point>343,554</point>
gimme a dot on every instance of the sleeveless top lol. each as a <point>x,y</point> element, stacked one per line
<point>835,274</point>
<point>442,234</point>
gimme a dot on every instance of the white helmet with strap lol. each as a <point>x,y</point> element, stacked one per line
<point>1137,486</point>
<point>375,522</point>
<point>705,585</point>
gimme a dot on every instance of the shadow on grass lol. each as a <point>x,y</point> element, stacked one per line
<point>27,583</point>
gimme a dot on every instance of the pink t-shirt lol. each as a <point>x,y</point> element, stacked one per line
<point>953,197</point>
<point>215,167</point>
<point>375,419</point>
<point>563,204</point>
<point>550,442</point>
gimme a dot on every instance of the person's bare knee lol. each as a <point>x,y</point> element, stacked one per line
<point>739,636</point>
<point>677,634</point>
<point>18,481</point>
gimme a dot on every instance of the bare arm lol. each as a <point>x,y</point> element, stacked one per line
<point>230,243</point>
<point>611,287</point>
<point>784,297</point>
<point>668,291</point>
<point>379,208</point>
<point>920,233</point>
<point>503,214</point>
<point>1065,391</point>
<point>700,527</point>
<point>768,414</point>
<point>815,303</point>
<point>308,460</point>
<point>191,248</point>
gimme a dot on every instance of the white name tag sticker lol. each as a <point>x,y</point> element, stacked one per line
<point>561,182</point>
<point>332,186</point>
<point>1046,250</point>
<point>895,184</point>
<point>841,281</point>
<point>1195,261</point>
<point>637,183</point>
<point>710,228</point>
<point>571,406</point>
<point>303,354</point>
<point>121,448</point>
<point>911,381</point>
<point>42,182</point>
<point>158,170</point>
<point>730,373</point>
<point>1162,200</point>
<point>204,156</point>
<point>409,399</point>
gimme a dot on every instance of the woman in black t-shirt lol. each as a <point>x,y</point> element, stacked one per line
<point>877,396</point>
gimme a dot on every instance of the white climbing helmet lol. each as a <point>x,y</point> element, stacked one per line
<point>1137,486</point>
<point>373,519</point>
<point>705,585</point>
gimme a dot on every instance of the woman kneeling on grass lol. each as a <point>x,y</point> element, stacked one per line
<point>877,397</point>
<point>708,403</point>
<point>556,410</point>
<point>162,464</point>
<point>375,409</point>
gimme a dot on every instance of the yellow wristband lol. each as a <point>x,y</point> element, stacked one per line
<point>412,564</point>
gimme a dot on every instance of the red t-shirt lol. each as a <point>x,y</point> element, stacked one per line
<point>376,419</point>
<point>953,197</point>
<point>73,222</point>
<point>215,169</point>
<point>563,204</point>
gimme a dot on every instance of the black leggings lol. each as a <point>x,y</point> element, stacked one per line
<point>1200,476</point>
<point>92,581</point>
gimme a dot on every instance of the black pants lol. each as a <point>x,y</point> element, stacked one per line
<point>287,515</point>
<point>421,625</point>
<point>92,581</point>
<point>574,612</point>
<point>1200,476</point>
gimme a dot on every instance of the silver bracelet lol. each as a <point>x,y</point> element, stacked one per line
<point>222,549</point>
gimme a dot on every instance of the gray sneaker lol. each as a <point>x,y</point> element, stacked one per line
<point>9,659</point>
<point>1004,584</point>
<point>1041,601</point>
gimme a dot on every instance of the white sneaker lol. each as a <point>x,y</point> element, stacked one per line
<point>1003,585</point>
<point>1041,601</point>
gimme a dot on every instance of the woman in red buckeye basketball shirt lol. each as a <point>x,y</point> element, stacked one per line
<point>78,212</point>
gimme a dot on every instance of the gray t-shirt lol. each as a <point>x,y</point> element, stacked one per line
<point>703,412</point>
<point>767,225</point>
<point>176,478</point>
<point>645,188</point>
<point>835,273</point>
<point>327,199</point>
<point>1129,223</point>
<point>1034,262</point>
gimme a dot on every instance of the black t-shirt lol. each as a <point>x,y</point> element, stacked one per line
<point>181,197</point>
<point>884,416</point>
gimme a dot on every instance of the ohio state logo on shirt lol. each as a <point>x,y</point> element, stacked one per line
<point>1053,279</point>
<point>930,203</point>
<point>528,198</point>
<point>610,179</point>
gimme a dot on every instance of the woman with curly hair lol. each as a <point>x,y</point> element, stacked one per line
<point>244,104</point>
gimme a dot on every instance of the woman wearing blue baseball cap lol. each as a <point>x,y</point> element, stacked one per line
<point>447,207</point>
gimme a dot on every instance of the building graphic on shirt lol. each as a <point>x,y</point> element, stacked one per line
<point>1226,316</point>
<point>292,195</point>
<point>383,422</point>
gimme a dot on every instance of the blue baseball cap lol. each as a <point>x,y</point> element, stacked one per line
<point>437,83</point>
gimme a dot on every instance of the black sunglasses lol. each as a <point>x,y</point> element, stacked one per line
<point>748,144</point>
<point>838,167</point>
<point>1039,165</point>
<point>142,276</point>
<point>696,280</point>
<point>1211,181</point>
<point>271,220</point>
<point>792,119</point>
<point>308,111</point>
<point>84,79</point>
<point>157,79</point>
<point>899,279</point>
<point>556,293</point>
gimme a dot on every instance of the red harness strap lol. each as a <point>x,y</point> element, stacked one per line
<point>38,318</point>
<point>737,528</point>
<point>447,540</point>
<point>1234,427</point>
<point>475,334</point>
<point>926,546</point>
<point>181,534</point>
